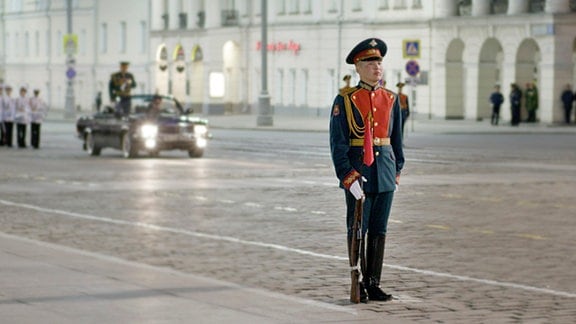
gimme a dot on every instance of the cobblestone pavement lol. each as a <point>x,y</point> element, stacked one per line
<point>477,235</point>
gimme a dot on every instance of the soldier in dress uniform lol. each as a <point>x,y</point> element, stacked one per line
<point>404,105</point>
<point>346,80</point>
<point>366,146</point>
<point>8,116</point>
<point>22,116</point>
<point>38,111</point>
<point>119,87</point>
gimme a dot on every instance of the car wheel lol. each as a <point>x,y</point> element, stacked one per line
<point>91,147</point>
<point>128,150</point>
<point>195,152</point>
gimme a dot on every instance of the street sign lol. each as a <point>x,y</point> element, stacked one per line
<point>411,48</point>
<point>70,73</point>
<point>70,42</point>
<point>412,68</point>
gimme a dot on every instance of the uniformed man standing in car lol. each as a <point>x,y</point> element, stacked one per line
<point>120,86</point>
<point>366,143</point>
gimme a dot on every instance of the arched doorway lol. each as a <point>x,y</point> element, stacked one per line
<point>179,73</point>
<point>231,67</point>
<point>161,82</point>
<point>489,75</point>
<point>455,80</point>
<point>527,66</point>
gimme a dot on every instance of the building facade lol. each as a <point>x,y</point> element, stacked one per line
<point>207,53</point>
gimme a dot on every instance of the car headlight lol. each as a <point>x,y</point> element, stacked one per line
<point>149,131</point>
<point>201,130</point>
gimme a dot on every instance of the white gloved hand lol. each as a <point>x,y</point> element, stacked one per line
<point>356,190</point>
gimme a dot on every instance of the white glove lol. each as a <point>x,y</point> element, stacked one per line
<point>356,190</point>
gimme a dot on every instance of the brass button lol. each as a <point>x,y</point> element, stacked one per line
<point>375,124</point>
<point>377,153</point>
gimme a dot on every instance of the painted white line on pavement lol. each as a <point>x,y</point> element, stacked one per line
<point>287,249</point>
<point>113,259</point>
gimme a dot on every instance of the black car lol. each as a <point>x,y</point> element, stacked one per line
<point>168,127</point>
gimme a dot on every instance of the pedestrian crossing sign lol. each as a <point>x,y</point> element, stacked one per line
<point>411,48</point>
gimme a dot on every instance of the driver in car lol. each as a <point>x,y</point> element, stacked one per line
<point>155,107</point>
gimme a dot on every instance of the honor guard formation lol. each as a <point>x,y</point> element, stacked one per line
<point>21,111</point>
<point>366,149</point>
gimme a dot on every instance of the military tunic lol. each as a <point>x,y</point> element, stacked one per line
<point>353,110</point>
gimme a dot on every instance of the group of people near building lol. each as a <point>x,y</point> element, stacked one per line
<point>19,111</point>
<point>530,97</point>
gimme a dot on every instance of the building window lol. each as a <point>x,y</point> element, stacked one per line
<point>83,42</point>
<point>26,44</point>
<point>60,39</point>
<point>303,95</point>
<point>332,6</point>
<point>307,6</point>
<point>37,43</point>
<point>47,43</point>
<point>399,4</point>
<point>281,7</point>
<point>143,37</point>
<point>292,87</point>
<point>537,6</point>
<point>499,7</point>
<point>104,38</point>
<point>279,87</point>
<point>382,4</point>
<point>294,7</point>
<point>356,5</point>
<point>465,7</point>
<point>16,5</point>
<point>416,4</point>
<point>123,38</point>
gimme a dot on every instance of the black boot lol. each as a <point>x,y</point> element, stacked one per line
<point>374,259</point>
<point>363,295</point>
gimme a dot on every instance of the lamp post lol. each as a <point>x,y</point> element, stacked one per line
<point>70,47</point>
<point>265,117</point>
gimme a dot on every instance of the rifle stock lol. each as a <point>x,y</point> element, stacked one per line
<point>355,252</point>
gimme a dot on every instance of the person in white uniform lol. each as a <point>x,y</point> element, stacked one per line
<point>38,111</point>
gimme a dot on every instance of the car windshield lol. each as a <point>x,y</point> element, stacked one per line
<point>143,104</point>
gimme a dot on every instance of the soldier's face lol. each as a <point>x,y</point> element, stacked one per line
<point>370,71</point>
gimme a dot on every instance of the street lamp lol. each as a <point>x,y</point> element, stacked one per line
<point>69,111</point>
<point>265,117</point>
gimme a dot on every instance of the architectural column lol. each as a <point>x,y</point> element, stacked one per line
<point>213,14</point>
<point>173,12</point>
<point>446,8</point>
<point>557,6</point>
<point>470,90</point>
<point>508,76</point>
<point>480,8</point>
<point>556,70</point>
<point>516,7</point>
<point>156,15</point>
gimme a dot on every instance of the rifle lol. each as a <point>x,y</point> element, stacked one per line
<point>356,252</point>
